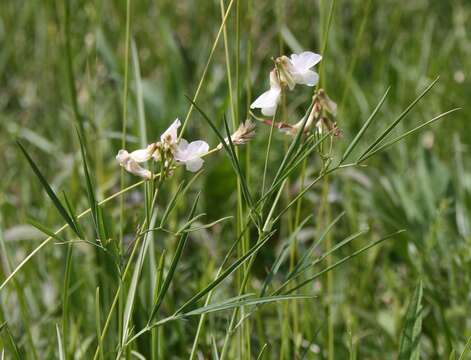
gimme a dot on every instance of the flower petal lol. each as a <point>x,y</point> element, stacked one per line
<point>122,156</point>
<point>142,155</point>
<point>274,82</point>
<point>182,145</point>
<point>309,78</point>
<point>186,152</point>
<point>130,165</point>
<point>269,111</point>
<point>305,60</point>
<point>194,165</point>
<point>136,169</point>
<point>198,148</point>
<point>171,132</point>
<point>269,98</point>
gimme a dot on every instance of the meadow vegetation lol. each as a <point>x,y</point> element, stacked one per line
<point>346,236</point>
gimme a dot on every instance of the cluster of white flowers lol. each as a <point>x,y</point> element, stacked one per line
<point>166,151</point>
<point>172,150</point>
<point>287,72</point>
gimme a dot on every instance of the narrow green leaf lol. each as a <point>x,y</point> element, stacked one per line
<point>234,266</point>
<point>134,283</point>
<point>171,204</point>
<point>294,144</point>
<point>282,255</point>
<point>466,349</point>
<point>364,127</point>
<point>206,226</point>
<point>173,265</point>
<point>141,116</point>
<point>96,213</point>
<point>235,161</point>
<point>313,247</point>
<point>215,349</point>
<point>452,355</point>
<point>70,67</point>
<point>57,203</point>
<point>10,341</point>
<point>98,318</point>
<point>406,134</point>
<point>237,302</point>
<point>72,213</point>
<point>398,120</point>
<point>45,230</point>
<point>338,246</point>
<point>291,166</point>
<point>338,263</point>
<point>65,296</point>
<point>59,343</point>
<point>409,347</point>
<point>229,149</point>
<point>262,351</point>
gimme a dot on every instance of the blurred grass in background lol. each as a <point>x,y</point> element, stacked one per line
<point>422,185</point>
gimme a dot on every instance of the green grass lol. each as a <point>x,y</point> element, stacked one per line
<point>304,247</point>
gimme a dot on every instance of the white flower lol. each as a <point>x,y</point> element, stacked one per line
<point>170,136</point>
<point>143,155</point>
<point>130,161</point>
<point>297,69</point>
<point>168,140</point>
<point>269,100</point>
<point>190,154</point>
<point>302,64</point>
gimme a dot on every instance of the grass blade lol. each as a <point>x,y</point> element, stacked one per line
<point>282,255</point>
<point>340,262</point>
<point>52,195</point>
<point>398,119</point>
<point>9,341</point>
<point>59,343</point>
<point>407,133</point>
<point>225,273</point>
<point>133,286</point>
<point>314,246</point>
<point>409,348</point>
<point>98,318</point>
<point>238,302</point>
<point>173,265</point>
<point>46,241</point>
<point>466,349</point>
<point>139,96</point>
<point>96,213</point>
<point>364,127</point>
<point>228,146</point>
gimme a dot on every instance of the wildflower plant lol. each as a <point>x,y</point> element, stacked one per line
<point>140,291</point>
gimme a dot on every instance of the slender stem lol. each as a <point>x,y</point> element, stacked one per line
<point>206,67</point>
<point>65,300</point>
<point>139,236</point>
<point>123,146</point>
<point>70,69</point>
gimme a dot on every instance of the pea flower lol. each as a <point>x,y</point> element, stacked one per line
<point>190,154</point>
<point>297,69</point>
<point>270,99</point>
<point>130,161</point>
<point>289,71</point>
<point>168,140</point>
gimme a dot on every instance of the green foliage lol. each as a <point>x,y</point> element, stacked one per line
<point>409,347</point>
<point>301,247</point>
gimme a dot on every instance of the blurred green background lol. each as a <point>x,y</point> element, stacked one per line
<point>422,184</point>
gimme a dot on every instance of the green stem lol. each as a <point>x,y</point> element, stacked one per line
<point>123,146</point>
